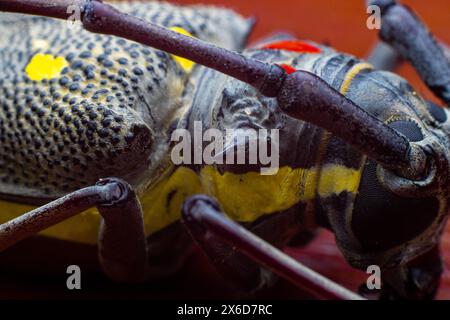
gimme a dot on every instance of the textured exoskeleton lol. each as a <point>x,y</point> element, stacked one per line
<point>77,107</point>
<point>107,112</point>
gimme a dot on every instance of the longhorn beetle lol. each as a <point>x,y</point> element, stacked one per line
<point>361,153</point>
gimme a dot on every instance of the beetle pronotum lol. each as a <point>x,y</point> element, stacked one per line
<point>373,146</point>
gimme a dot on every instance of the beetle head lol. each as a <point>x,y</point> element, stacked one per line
<point>396,219</point>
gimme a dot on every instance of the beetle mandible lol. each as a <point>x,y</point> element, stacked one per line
<point>361,153</point>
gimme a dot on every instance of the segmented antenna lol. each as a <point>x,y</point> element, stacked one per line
<point>300,94</point>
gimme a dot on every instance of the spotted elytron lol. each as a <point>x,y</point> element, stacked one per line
<point>361,153</point>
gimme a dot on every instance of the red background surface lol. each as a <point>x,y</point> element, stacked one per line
<point>342,24</point>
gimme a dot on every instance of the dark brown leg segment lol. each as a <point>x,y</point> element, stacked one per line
<point>204,219</point>
<point>122,244</point>
<point>404,31</point>
<point>242,272</point>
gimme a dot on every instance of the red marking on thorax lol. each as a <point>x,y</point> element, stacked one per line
<point>289,69</point>
<point>292,45</point>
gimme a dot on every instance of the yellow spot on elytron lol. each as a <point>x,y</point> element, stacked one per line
<point>186,64</point>
<point>45,66</point>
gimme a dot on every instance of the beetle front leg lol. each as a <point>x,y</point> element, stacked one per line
<point>122,242</point>
<point>404,31</point>
<point>419,279</point>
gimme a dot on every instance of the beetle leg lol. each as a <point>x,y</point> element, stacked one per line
<point>419,279</point>
<point>204,219</point>
<point>384,57</point>
<point>245,274</point>
<point>404,31</point>
<point>122,243</point>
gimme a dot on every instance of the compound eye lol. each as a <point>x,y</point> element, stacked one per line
<point>381,219</point>
<point>409,129</point>
<point>437,112</point>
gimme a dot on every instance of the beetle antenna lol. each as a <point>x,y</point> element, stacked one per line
<point>301,94</point>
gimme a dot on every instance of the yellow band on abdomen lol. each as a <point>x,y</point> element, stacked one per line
<point>244,197</point>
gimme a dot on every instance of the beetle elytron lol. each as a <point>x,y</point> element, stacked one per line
<point>361,153</point>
